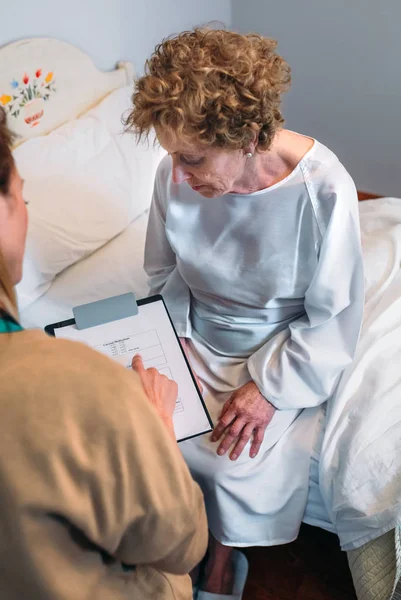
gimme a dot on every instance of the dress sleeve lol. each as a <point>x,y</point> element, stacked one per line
<point>301,366</point>
<point>161,265</point>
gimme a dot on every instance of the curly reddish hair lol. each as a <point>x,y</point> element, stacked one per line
<point>215,86</point>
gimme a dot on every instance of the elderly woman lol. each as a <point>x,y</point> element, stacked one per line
<point>254,242</point>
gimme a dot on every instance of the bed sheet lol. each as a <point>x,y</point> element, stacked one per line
<point>360,465</point>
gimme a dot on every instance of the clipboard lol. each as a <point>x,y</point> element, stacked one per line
<point>122,326</point>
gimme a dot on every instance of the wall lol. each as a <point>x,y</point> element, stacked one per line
<point>109,30</point>
<point>346,57</point>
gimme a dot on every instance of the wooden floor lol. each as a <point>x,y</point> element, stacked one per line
<point>312,568</point>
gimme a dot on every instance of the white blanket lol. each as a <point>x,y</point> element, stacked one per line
<point>360,468</point>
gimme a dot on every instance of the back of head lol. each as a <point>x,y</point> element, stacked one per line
<point>6,170</point>
<point>216,86</point>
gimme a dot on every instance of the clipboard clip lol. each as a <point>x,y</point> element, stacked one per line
<point>105,311</point>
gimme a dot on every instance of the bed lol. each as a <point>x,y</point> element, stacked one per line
<point>89,189</point>
<point>88,186</point>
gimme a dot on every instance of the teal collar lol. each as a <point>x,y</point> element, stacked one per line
<point>8,324</point>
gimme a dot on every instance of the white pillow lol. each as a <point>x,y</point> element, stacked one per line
<point>85,182</point>
<point>116,268</point>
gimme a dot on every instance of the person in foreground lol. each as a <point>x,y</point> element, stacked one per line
<point>254,242</point>
<point>96,500</point>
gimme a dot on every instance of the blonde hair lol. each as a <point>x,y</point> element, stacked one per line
<point>216,86</point>
<point>7,167</point>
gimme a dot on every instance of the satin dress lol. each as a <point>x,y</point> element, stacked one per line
<point>268,287</point>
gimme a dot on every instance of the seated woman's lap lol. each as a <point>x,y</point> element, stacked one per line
<point>244,497</point>
<point>250,501</point>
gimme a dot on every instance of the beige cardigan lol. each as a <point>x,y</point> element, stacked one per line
<point>89,479</point>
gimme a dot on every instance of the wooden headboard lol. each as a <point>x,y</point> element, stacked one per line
<point>45,82</point>
<point>367,196</point>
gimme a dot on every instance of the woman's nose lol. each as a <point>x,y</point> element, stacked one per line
<point>179,174</point>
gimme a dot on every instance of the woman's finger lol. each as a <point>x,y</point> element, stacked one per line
<point>224,422</point>
<point>226,406</point>
<point>258,436</point>
<point>137,364</point>
<point>244,438</point>
<point>233,432</point>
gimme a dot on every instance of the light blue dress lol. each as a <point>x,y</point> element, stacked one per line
<point>268,286</point>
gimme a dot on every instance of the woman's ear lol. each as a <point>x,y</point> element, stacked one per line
<point>250,147</point>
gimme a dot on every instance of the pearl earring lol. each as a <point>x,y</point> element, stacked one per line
<point>248,154</point>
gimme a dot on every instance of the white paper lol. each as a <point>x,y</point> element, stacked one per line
<point>150,334</point>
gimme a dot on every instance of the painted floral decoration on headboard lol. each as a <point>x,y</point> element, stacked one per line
<point>29,96</point>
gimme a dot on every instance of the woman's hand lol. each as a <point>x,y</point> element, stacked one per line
<point>245,413</point>
<point>184,345</point>
<point>160,390</point>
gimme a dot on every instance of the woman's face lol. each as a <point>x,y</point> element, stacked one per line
<point>13,227</point>
<point>210,171</point>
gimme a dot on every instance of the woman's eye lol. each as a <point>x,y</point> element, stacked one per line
<point>191,162</point>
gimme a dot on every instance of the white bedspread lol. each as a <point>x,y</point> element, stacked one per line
<point>360,468</point>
